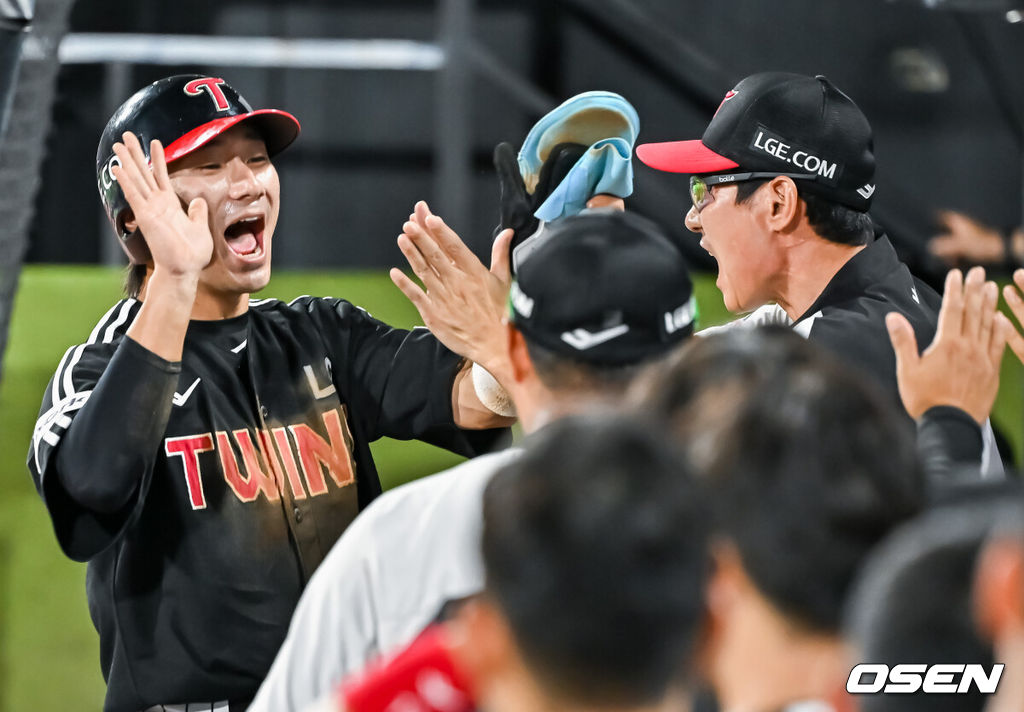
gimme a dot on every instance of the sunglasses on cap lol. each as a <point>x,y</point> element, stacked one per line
<point>700,186</point>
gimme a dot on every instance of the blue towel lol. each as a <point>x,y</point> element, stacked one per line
<point>602,120</point>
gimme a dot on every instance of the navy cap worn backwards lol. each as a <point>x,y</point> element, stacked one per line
<point>784,123</point>
<point>604,287</point>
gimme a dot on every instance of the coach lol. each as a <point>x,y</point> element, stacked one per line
<point>780,185</point>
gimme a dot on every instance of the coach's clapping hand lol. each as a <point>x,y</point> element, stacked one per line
<point>961,366</point>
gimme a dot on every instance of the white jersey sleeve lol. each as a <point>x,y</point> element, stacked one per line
<point>991,463</point>
<point>387,578</point>
<point>762,316</point>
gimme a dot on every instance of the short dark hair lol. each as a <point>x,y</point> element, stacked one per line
<point>831,220</point>
<point>561,373</point>
<point>808,465</point>
<point>912,601</point>
<point>595,550</point>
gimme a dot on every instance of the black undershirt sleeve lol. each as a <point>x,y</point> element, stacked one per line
<point>949,443</point>
<point>113,441</point>
<point>399,383</point>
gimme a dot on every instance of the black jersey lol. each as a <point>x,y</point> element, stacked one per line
<point>848,317</point>
<point>251,463</point>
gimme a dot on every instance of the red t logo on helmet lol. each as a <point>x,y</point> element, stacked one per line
<point>211,85</point>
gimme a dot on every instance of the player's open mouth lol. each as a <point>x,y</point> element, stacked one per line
<point>245,236</point>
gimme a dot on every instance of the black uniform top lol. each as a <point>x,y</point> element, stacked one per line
<point>204,494</point>
<point>848,317</point>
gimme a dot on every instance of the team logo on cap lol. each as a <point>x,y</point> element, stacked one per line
<point>680,317</point>
<point>784,150</point>
<point>582,340</point>
<point>520,302</point>
<point>866,191</point>
<point>728,95</point>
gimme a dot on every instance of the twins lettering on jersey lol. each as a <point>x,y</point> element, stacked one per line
<point>269,457</point>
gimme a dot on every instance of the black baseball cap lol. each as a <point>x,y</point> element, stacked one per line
<point>604,287</point>
<point>782,123</point>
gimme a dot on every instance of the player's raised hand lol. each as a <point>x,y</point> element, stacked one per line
<point>961,366</point>
<point>461,301</point>
<point>1013,298</point>
<point>178,236</point>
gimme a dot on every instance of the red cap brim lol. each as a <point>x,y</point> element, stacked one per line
<point>278,128</point>
<point>683,157</point>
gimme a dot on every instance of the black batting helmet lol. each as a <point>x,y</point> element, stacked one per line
<point>183,112</point>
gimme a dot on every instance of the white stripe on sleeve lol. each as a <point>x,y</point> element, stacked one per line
<point>108,336</point>
<point>122,317</point>
<point>58,376</point>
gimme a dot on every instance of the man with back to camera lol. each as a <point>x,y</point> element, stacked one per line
<point>587,310</point>
<point>595,553</point>
<point>807,467</point>
<point>998,606</point>
<point>912,605</point>
<point>203,451</point>
<point>780,185</point>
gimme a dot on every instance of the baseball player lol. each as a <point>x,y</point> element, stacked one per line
<point>602,294</point>
<point>201,450</point>
<point>780,186</point>
<point>594,546</point>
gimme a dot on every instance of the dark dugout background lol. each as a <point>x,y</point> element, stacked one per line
<point>942,87</point>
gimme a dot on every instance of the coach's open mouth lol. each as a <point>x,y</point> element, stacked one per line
<point>245,236</point>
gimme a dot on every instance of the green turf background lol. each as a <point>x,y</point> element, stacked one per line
<point>49,652</point>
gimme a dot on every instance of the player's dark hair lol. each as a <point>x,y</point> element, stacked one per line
<point>134,276</point>
<point>561,373</point>
<point>595,550</point>
<point>831,220</point>
<point>912,601</point>
<point>808,465</point>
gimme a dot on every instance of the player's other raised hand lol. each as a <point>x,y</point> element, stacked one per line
<point>461,301</point>
<point>178,236</point>
<point>1012,295</point>
<point>961,366</point>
